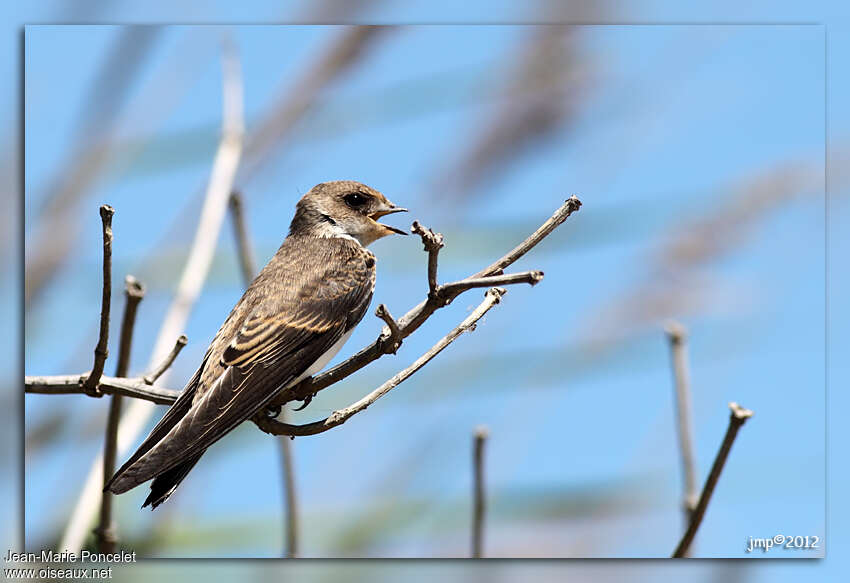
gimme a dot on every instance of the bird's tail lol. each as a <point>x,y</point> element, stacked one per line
<point>164,484</point>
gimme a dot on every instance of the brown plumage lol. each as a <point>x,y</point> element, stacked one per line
<point>288,324</point>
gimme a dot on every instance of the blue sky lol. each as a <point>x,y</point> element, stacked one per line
<point>677,122</point>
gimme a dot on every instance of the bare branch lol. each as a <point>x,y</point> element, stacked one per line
<point>151,377</point>
<point>269,425</point>
<point>737,419</point>
<point>678,339</point>
<point>479,504</point>
<point>135,388</point>
<point>101,351</point>
<point>570,206</point>
<point>432,242</point>
<point>105,531</point>
<point>392,339</point>
<point>134,292</point>
<point>452,290</point>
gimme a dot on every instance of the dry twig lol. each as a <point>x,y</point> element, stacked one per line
<point>101,350</point>
<point>135,388</point>
<point>105,531</point>
<point>433,242</point>
<point>737,419</point>
<point>570,206</point>
<point>166,363</point>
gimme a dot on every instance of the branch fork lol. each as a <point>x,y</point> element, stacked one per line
<point>737,418</point>
<point>392,338</point>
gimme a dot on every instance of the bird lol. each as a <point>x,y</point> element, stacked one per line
<point>290,322</point>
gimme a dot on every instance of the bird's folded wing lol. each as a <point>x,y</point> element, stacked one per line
<point>278,342</point>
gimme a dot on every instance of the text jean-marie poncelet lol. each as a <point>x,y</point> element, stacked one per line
<point>50,556</point>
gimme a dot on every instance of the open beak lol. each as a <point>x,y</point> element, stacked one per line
<point>388,210</point>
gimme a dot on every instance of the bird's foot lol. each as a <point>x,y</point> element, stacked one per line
<point>307,401</point>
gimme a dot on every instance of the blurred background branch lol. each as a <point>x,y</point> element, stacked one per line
<point>479,503</point>
<point>55,235</point>
<point>298,96</point>
<point>678,337</point>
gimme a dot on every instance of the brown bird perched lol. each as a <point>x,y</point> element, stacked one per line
<point>288,325</point>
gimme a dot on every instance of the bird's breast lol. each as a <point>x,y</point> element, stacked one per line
<point>324,359</point>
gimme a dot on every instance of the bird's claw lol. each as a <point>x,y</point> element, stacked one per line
<point>307,400</point>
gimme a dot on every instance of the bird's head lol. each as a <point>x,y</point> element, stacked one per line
<point>344,208</point>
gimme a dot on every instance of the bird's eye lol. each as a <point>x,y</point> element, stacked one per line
<point>355,199</point>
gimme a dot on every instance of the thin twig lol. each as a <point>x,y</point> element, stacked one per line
<point>134,292</point>
<point>738,417</point>
<point>681,379</point>
<point>166,363</point>
<point>270,425</point>
<point>432,242</point>
<point>194,274</point>
<point>101,351</point>
<point>393,337</point>
<point>479,503</point>
<point>105,531</point>
<point>570,206</point>
<point>451,290</point>
<point>135,388</point>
